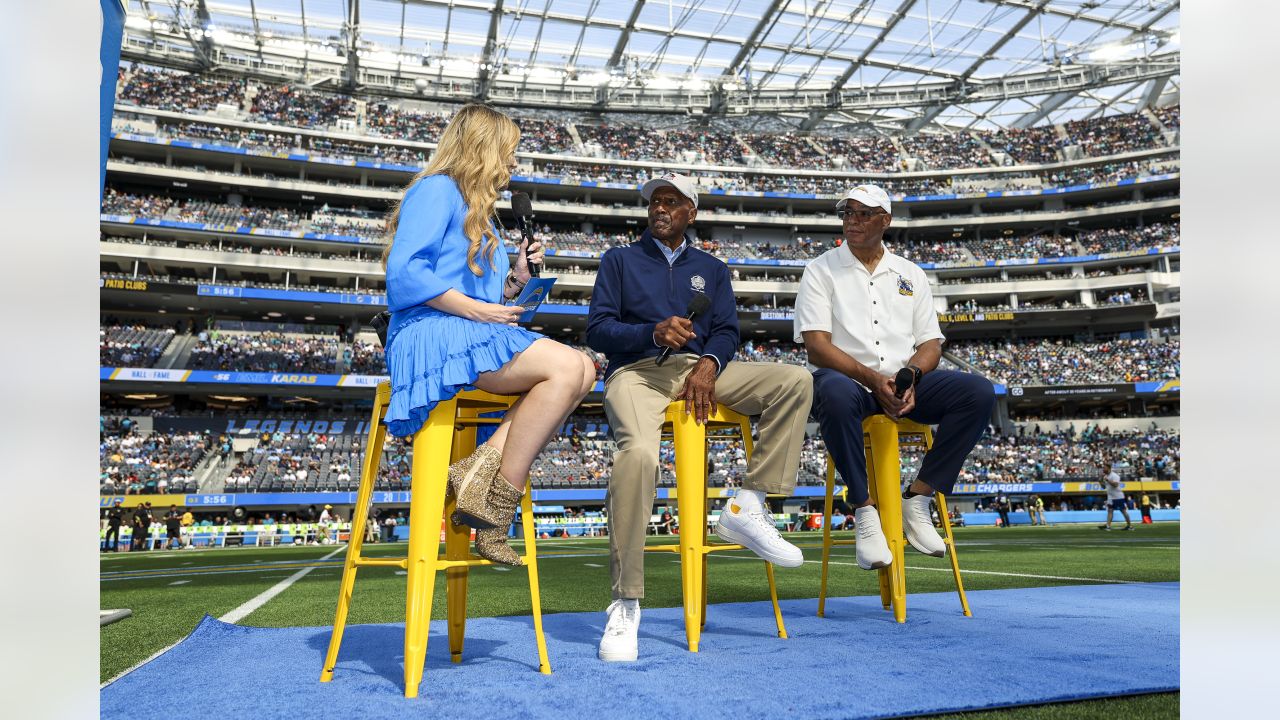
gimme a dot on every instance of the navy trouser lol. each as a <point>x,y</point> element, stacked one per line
<point>958,403</point>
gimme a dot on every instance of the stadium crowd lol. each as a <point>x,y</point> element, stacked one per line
<point>581,456</point>
<point>938,152</point>
<point>134,345</point>
<point>1029,456</point>
<point>631,138</point>
<point>1064,361</point>
<point>132,463</point>
<point>264,352</point>
<point>1114,134</point>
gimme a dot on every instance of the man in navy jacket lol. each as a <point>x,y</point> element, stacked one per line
<point>638,309</point>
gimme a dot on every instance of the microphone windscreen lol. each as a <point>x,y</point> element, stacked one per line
<point>903,380</point>
<point>521,205</point>
<point>699,304</point>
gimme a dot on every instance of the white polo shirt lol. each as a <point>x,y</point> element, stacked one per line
<point>1116,491</point>
<point>878,318</point>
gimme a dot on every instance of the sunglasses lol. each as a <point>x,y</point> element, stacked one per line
<point>862,215</point>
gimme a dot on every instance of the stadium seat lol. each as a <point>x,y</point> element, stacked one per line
<point>883,437</point>
<point>690,441</point>
<point>448,436</point>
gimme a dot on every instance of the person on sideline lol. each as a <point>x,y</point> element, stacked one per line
<point>1035,508</point>
<point>447,279</point>
<point>115,518</point>
<point>863,315</point>
<point>1115,497</point>
<point>638,308</point>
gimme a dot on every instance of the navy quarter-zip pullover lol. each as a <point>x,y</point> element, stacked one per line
<point>636,289</point>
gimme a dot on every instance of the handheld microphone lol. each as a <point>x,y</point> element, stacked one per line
<point>902,381</point>
<point>699,303</point>
<point>522,206</point>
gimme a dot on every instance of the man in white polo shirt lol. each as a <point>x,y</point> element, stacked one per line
<point>863,315</point>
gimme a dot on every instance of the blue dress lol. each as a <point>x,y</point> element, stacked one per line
<point>432,355</point>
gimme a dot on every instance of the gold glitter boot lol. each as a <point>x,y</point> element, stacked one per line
<point>491,543</point>
<point>469,481</point>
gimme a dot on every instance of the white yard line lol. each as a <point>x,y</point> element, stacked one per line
<point>179,582</point>
<point>266,596</point>
<point>157,654</point>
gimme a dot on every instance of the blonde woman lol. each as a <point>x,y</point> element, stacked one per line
<point>447,279</point>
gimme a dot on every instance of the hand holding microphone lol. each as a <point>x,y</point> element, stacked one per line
<point>892,392</point>
<point>674,332</point>
<point>902,382</point>
<point>522,206</point>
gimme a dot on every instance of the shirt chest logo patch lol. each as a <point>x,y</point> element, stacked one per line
<point>905,287</point>
<point>698,283</point>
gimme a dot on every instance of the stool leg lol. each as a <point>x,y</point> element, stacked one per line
<point>531,564</point>
<point>702,608</point>
<point>457,543</point>
<point>826,536</point>
<point>888,481</point>
<point>426,507</point>
<point>691,498</point>
<point>951,551</point>
<point>773,595</point>
<point>882,575</point>
<point>368,477</point>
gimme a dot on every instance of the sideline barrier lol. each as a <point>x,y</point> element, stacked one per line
<point>1068,517</point>
<point>207,536</point>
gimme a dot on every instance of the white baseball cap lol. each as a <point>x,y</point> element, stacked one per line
<point>869,195</point>
<point>682,183</point>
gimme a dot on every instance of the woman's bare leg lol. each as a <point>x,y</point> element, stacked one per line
<point>552,379</point>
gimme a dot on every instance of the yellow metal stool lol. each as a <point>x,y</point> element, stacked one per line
<point>883,438</point>
<point>690,441</point>
<point>448,436</point>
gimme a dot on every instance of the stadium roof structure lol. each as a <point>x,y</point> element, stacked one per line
<point>902,65</point>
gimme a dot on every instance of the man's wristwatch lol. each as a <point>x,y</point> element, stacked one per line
<point>916,373</point>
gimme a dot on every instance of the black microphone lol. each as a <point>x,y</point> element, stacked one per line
<point>904,380</point>
<point>522,206</point>
<point>699,303</point>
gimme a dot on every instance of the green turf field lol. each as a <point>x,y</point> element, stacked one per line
<point>170,591</point>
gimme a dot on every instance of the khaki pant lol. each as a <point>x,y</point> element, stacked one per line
<point>635,400</point>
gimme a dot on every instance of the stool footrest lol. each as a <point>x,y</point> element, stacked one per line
<point>705,548</point>
<point>472,561</point>
<point>401,563</point>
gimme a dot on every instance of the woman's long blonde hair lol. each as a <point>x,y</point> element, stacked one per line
<point>473,150</point>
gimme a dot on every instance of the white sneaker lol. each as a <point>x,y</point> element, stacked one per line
<point>917,523</point>
<point>871,548</point>
<point>619,641</point>
<point>755,530</point>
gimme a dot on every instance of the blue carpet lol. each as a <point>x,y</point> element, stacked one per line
<point>1021,647</point>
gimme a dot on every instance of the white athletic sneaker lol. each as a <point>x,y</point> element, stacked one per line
<point>871,548</point>
<point>619,641</point>
<point>754,529</point>
<point>917,523</point>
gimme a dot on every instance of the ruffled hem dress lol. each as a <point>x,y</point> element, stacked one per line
<point>436,356</point>
<point>432,355</point>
